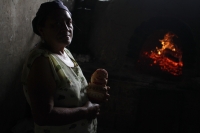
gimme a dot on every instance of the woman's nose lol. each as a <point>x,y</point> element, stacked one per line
<point>65,26</point>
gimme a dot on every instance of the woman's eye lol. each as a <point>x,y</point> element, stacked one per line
<point>61,24</point>
<point>58,23</point>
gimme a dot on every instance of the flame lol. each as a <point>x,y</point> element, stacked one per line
<point>169,56</point>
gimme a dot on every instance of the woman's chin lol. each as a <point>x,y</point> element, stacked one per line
<point>65,41</point>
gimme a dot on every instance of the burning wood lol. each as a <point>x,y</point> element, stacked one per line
<point>169,56</point>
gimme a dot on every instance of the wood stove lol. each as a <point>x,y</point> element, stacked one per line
<point>163,46</point>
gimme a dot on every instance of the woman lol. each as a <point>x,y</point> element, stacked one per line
<point>54,84</point>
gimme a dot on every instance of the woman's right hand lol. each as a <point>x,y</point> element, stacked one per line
<point>92,110</point>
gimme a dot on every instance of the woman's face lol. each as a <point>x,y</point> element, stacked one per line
<point>58,28</point>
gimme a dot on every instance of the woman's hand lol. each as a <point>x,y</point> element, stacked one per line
<point>107,95</point>
<point>98,93</point>
<point>92,110</point>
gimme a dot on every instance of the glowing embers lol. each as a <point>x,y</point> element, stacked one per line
<point>168,57</point>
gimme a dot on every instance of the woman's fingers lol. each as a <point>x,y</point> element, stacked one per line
<point>93,110</point>
<point>108,87</point>
<point>98,93</point>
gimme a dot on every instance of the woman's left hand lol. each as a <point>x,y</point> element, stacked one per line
<point>98,93</point>
<point>107,95</point>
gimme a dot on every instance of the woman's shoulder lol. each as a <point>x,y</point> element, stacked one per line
<point>39,50</point>
<point>34,57</point>
<point>36,52</point>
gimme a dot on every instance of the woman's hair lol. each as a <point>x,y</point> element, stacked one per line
<point>44,10</point>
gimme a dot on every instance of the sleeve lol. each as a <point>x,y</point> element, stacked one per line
<point>35,53</point>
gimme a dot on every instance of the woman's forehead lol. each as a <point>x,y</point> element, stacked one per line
<point>59,14</point>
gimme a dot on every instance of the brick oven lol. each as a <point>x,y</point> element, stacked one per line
<point>163,46</point>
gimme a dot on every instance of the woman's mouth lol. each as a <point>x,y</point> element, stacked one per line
<point>66,36</point>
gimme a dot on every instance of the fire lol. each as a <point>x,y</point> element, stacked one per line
<point>169,56</point>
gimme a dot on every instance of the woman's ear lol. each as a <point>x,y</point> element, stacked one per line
<point>40,30</point>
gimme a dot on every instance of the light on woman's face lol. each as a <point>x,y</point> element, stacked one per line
<point>59,28</point>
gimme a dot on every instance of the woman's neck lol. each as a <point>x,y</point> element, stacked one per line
<point>52,48</point>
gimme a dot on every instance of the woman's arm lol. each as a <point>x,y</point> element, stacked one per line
<point>41,90</point>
